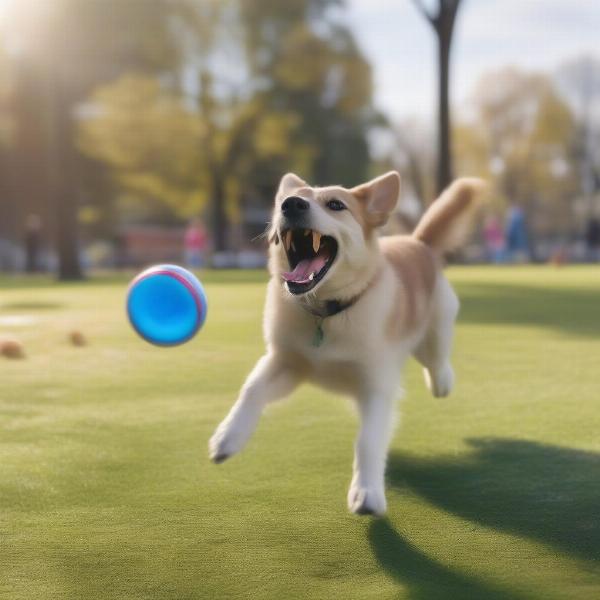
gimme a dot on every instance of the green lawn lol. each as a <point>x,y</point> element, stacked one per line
<point>106,491</point>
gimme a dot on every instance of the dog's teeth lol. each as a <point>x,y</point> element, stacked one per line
<point>307,232</point>
<point>316,241</point>
<point>311,276</point>
<point>288,239</point>
<point>293,247</point>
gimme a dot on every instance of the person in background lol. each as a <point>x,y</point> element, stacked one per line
<point>592,239</point>
<point>494,239</point>
<point>195,244</point>
<point>33,242</point>
<point>517,243</point>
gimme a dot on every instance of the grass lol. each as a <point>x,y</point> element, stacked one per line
<point>106,491</point>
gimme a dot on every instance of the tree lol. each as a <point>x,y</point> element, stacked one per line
<point>414,157</point>
<point>442,21</point>
<point>165,156</point>
<point>304,103</point>
<point>524,132</point>
<point>149,140</point>
<point>8,210</point>
<point>579,83</point>
<point>95,80</point>
<point>66,48</point>
<point>307,62</point>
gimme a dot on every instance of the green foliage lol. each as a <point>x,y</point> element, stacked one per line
<point>522,138</point>
<point>150,141</point>
<point>305,105</point>
<point>316,70</point>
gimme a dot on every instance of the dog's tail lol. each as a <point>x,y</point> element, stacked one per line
<point>447,222</point>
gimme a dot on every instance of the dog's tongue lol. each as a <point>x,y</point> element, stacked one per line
<point>304,269</point>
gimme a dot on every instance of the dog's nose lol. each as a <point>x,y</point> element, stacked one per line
<point>294,206</point>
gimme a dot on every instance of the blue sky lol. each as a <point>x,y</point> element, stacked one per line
<point>531,34</point>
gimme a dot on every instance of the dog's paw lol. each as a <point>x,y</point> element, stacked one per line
<point>225,442</point>
<point>440,382</point>
<point>364,500</point>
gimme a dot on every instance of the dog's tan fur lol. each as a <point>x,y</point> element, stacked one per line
<point>446,224</point>
<point>401,304</point>
<point>415,266</point>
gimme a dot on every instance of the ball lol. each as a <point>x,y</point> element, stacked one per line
<point>166,305</point>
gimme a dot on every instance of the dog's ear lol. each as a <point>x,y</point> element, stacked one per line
<point>289,182</point>
<point>379,197</point>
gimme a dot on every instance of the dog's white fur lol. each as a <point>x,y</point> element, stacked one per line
<point>405,306</point>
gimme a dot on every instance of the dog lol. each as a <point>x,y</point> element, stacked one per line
<point>345,308</point>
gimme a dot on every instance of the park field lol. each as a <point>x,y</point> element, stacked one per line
<point>106,491</point>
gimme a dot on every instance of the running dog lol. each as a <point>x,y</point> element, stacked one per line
<point>345,309</point>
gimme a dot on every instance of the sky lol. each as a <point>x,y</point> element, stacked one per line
<point>530,34</point>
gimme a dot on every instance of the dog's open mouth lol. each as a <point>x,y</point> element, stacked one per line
<point>310,255</point>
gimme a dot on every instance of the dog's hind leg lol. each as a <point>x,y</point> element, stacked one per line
<point>268,381</point>
<point>434,350</point>
<point>367,490</point>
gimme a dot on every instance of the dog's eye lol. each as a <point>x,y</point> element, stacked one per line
<point>335,204</point>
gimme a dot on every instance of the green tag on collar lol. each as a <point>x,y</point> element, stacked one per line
<point>319,334</point>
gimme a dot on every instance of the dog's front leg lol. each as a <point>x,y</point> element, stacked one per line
<point>367,490</point>
<point>269,380</point>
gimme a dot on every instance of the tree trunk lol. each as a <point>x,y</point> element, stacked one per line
<point>26,186</point>
<point>444,167</point>
<point>67,239</point>
<point>218,216</point>
<point>62,156</point>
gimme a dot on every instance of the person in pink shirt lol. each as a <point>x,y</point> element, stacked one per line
<point>195,240</point>
<point>495,243</point>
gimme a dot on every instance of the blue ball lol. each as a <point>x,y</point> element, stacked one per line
<point>166,305</point>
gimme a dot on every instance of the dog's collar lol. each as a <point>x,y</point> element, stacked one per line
<point>330,308</point>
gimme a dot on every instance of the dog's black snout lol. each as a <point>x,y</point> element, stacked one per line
<point>294,206</point>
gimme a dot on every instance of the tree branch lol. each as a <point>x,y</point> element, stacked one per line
<point>454,5</point>
<point>433,20</point>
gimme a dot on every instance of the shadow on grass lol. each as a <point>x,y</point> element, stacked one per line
<point>570,310</point>
<point>32,305</point>
<point>425,578</point>
<point>546,493</point>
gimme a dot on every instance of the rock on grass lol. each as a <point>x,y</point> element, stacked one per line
<point>12,349</point>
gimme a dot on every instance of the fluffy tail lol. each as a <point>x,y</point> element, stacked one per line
<point>447,223</point>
